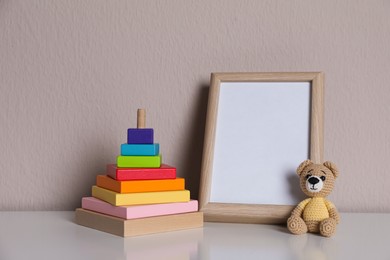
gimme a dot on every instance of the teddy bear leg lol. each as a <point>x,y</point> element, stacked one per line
<point>328,227</point>
<point>296,225</point>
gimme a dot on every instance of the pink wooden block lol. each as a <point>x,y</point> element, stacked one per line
<point>141,211</point>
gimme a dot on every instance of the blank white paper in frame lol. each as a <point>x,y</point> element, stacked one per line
<point>262,134</point>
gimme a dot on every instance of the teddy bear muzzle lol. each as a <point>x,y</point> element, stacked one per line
<point>314,184</point>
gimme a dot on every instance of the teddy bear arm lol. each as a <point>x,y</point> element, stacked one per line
<point>297,212</point>
<point>334,214</point>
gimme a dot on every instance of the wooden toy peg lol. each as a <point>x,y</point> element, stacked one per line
<point>141,118</point>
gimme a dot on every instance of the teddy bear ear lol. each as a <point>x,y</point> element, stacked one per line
<point>332,167</point>
<point>303,165</point>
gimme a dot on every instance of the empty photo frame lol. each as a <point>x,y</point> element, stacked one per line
<point>259,128</point>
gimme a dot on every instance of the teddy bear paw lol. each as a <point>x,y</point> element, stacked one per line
<point>328,227</point>
<point>296,225</point>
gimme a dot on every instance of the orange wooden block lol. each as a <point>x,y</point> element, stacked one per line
<point>108,183</point>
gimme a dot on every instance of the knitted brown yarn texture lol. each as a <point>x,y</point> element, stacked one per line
<point>315,214</point>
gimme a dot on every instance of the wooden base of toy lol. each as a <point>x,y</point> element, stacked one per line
<point>123,199</point>
<point>108,183</point>
<point>140,211</point>
<point>128,174</point>
<point>137,227</point>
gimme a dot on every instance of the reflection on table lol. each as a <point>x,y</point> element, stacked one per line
<point>54,235</point>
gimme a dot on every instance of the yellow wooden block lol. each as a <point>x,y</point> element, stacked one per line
<point>123,199</point>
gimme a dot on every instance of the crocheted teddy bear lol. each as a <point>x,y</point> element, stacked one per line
<point>315,214</point>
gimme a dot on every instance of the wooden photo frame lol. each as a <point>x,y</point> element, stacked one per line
<point>259,128</point>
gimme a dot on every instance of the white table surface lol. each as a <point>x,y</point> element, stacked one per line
<point>54,235</point>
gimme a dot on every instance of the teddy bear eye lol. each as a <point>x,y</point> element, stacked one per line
<point>308,176</point>
<point>323,178</point>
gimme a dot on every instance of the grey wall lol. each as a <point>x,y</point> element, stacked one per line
<point>73,73</point>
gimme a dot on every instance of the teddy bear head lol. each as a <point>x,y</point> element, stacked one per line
<point>317,180</point>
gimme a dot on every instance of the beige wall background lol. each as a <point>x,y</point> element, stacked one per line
<point>73,73</point>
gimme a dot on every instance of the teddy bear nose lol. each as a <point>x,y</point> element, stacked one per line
<point>313,180</point>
